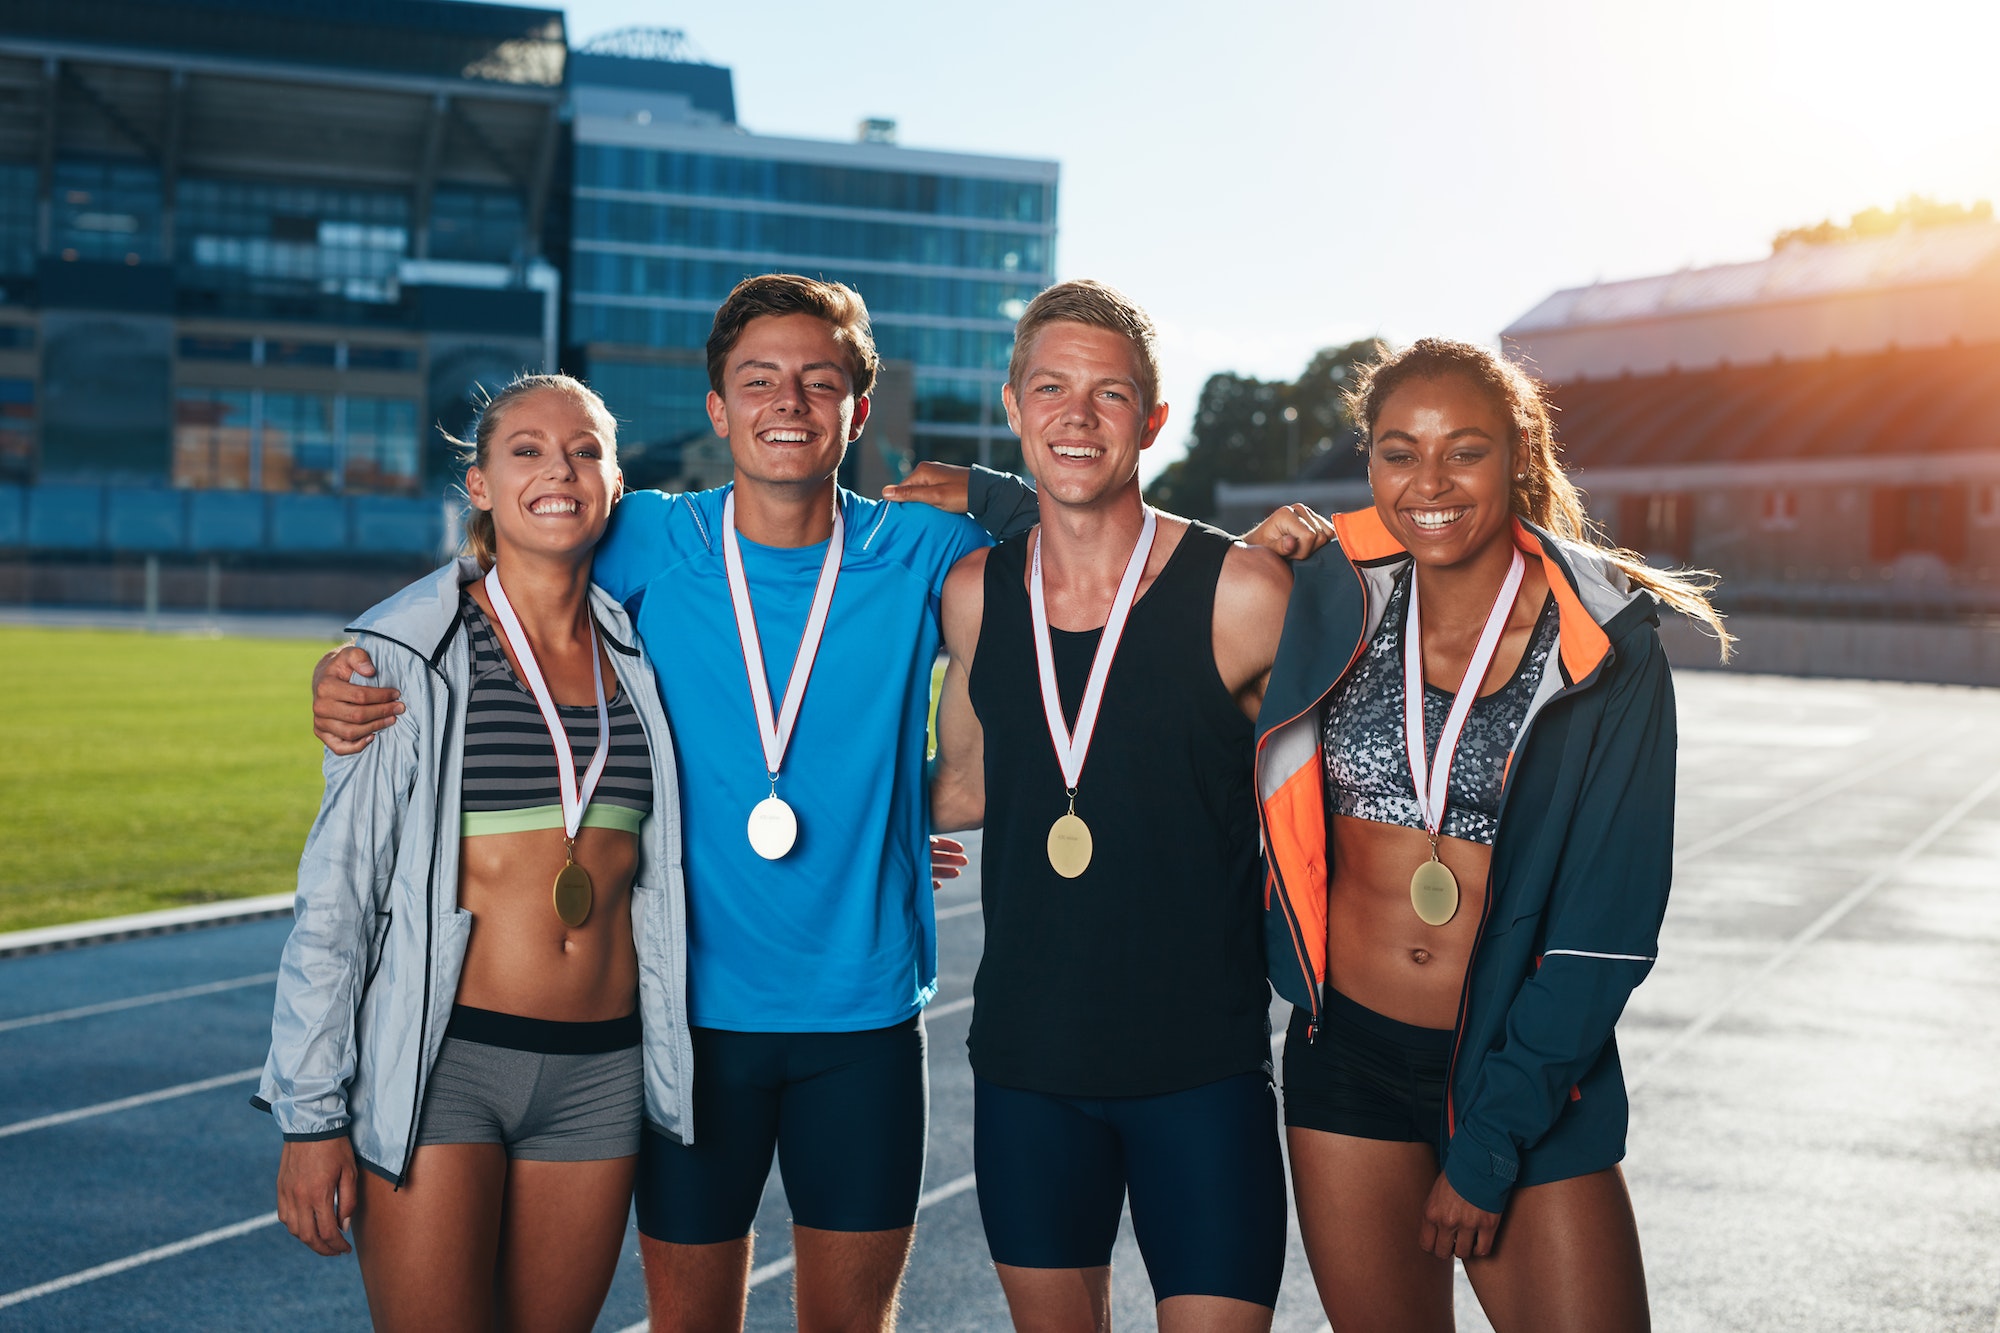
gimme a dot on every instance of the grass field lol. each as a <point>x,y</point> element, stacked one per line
<point>147,771</point>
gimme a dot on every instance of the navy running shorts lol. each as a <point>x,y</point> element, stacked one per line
<point>1366,1075</point>
<point>845,1112</point>
<point>1203,1166</point>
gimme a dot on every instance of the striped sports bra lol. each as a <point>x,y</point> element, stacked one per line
<point>509,782</point>
<point>1367,757</point>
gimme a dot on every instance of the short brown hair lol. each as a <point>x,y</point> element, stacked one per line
<point>793,294</point>
<point>1101,306</point>
<point>480,541</point>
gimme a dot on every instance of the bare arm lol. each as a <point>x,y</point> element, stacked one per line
<point>1249,618</point>
<point>958,787</point>
<point>347,716</point>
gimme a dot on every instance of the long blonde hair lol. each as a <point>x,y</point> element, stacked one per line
<point>1539,491</point>
<point>479,534</point>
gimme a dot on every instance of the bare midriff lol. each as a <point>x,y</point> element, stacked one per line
<point>1379,953</point>
<point>522,959</point>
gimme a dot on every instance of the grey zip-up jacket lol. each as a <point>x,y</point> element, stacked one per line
<point>369,973</point>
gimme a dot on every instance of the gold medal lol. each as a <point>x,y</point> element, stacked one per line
<point>1069,846</point>
<point>573,893</point>
<point>1434,892</point>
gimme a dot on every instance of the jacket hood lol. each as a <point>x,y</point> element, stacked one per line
<point>1591,592</point>
<point>423,616</point>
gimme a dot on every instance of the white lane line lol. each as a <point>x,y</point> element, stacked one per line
<point>1826,921</point>
<point>779,1267</point>
<point>138,1260</point>
<point>134,1002</point>
<point>1792,805</point>
<point>962,909</point>
<point>127,1103</point>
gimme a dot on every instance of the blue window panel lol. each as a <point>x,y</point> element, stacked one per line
<point>225,520</point>
<point>13,515</point>
<point>143,520</point>
<point>308,523</point>
<point>385,523</point>
<point>67,518</point>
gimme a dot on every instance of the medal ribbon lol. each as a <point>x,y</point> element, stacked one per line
<point>1432,782</point>
<point>777,735</point>
<point>1070,751</point>
<point>573,799</point>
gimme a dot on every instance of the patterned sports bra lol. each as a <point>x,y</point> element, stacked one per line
<point>1367,761</point>
<point>509,782</point>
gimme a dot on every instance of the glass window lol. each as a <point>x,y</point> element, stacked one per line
<point>107,407</point>
<point>105,210</point>
<point>298,450</point>
<point>380,452</point>
<point>201,347</point>
<point>212,439</point>
<point>278,352</point>
<point>17,429</point>
<point>17,337</point>
<point>323,241</point>
<point>19,221</point>
<point>661,411</point>
<point>480,225</point>
<point>367,356</point>
<point>651,170</point>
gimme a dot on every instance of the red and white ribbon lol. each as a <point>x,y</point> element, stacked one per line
<point>776,734</point>
<point>1433,781</point>
<point>574,797</point>
<point>1072,749</point>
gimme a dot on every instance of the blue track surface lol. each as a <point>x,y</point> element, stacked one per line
<point>1814,1065</point>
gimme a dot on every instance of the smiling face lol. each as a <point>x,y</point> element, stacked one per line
<point>787,405</point>
<point>550,475</point>
<point>1081,413</point>
<point>1440,468</point>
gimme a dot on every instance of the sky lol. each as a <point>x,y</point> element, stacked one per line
<point>1269,177</point>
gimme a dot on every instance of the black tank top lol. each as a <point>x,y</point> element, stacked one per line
<point>1145,974</point>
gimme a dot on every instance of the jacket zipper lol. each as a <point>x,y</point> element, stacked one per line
<point>1263,820</point>
<point>430,914</point>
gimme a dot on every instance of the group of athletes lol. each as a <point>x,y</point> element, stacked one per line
<point>623,873</point>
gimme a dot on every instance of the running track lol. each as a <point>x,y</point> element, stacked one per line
<point>1815,1064</point>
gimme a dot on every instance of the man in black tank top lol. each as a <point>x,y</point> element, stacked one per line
<point>1120,1039</point>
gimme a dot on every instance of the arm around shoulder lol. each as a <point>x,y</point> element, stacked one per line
<point>958,784</point>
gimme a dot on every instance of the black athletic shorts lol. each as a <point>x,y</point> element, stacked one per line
<point>1365,1075</point>
<point>846,1113</point>
<point>1203,1166</point>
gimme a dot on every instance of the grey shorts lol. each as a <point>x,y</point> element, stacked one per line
<point>546,1091</point>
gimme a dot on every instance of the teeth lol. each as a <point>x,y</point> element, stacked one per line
<point>786,437</point>
<point>1435,519</point>
<point>553,505</point>
<point>1075,451</point>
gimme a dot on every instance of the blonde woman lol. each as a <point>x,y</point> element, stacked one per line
<point>483,993</point>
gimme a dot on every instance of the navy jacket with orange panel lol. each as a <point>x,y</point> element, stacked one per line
<point>1582,855</point>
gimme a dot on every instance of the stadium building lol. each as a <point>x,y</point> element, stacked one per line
<point>250,250</point>
<point>673,203</point>
<point>1821,427</point>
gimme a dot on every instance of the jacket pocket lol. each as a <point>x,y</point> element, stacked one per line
<point>377,947</point>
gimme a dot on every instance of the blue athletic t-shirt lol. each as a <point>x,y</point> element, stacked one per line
<point>839,935</point>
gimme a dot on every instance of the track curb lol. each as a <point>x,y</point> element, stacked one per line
<point>171,921</point>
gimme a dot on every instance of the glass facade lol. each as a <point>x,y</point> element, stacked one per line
<point>246,439</point>
<point>947,261</point>
<point>106,210</point>
<point>239,241</point>
<point>18,219</point>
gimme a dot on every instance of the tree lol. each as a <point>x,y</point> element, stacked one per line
<point>1915,210</point>
<point>1241,433</point>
